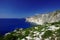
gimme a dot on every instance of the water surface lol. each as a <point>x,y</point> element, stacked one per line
<point>8,25</point>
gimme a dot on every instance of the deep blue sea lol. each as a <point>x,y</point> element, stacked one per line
<point>8,25</point>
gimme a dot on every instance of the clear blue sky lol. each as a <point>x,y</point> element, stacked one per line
<point>25,8</point>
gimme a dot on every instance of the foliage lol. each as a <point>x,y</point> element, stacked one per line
<point>33,32</point>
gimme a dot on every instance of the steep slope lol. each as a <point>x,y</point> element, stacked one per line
<point>43,18</point>
<point>49,31</point>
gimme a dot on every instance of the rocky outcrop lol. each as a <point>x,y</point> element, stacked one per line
<point>43,18</point>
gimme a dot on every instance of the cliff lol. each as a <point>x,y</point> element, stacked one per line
<point>46,17</point>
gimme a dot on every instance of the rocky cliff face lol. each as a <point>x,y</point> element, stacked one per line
<point>42,18</point>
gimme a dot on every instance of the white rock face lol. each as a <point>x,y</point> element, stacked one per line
<point>33,20</point>
<point>53,28</point>
<point>42,18</point>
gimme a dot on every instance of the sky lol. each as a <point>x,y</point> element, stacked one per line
<point>26,8</point>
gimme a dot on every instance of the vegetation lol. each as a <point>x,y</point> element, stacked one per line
<point>50,31</point>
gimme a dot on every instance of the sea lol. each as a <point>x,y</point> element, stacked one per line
<point>8,24</point>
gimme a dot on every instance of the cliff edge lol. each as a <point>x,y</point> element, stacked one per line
<point>46,17</point>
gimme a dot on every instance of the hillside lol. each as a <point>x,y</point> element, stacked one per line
<point>46,17</point>
<point>47,31</point>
